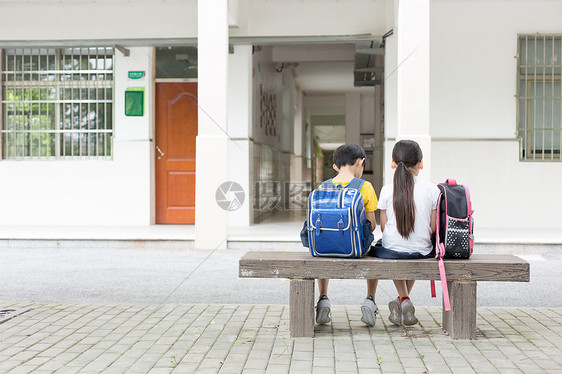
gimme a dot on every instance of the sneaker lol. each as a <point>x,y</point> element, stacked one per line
<point>369,310</point>
<point>395,312</point>
<point>323,310</point>
<point>408,313</point>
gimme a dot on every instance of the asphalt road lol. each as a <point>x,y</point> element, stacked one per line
<point>196,276</point>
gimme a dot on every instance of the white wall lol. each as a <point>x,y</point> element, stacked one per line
<point>271,153</point>
<point>287,121</point>
<point>473,84</point>
<point>239,129</point>
<point>90,192</point>
<point>505,193</point>
<point>299,171</point>
<point>122,19</point>
<point>299,131</point>
<point>473,64</point>
<point>311,17</point>
<point>282,85</point>
<point>101,19</point>
<point>391,85</point>
<point>359,116</point>
<point>368,113</point>
<point>352,118</point>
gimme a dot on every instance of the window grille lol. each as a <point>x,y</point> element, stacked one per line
<point>539,97</point>
<point>56,103</point>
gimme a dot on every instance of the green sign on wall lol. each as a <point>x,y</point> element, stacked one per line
<point>134,101</point>
<point>136,74</point>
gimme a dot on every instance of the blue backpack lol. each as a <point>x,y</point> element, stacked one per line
<point>336,223</point>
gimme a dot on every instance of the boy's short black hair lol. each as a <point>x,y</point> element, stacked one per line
<point>348,154</point>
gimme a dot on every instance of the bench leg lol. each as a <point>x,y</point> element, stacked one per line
<point>460,321</point>
<point>301,308</point>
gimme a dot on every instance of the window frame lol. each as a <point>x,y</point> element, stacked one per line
<point>526,102</point>
<point>64,86</point>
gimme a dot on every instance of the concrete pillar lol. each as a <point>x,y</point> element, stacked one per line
<point>299,136</point>
<point>413,76</point>
<point>211,229</point>
<point>378,152</point>
<point>239,129</point>
<point>352,118</point>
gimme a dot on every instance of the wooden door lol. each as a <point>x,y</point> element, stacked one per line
<point>176,129</point>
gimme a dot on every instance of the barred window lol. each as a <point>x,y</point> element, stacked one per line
<point>539,97</point>
<point>56,103</point>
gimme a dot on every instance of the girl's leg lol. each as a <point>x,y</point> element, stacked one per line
<point>405,313</point>
<point>323,287</point>
<point>409,285</point>
<point>394,306</point>
<point>402,288</point>
<point>372,287</point>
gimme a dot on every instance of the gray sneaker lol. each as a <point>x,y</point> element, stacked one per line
<point>323,310</point>
<point>370,311</point>
<point>395,312</point>
<point>408,313</point>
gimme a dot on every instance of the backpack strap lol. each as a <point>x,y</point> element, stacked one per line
<point>327,184</point>
<point>356,183</point>
<point>432,284</point>
<point>439,252</point>
<point>470,211</point>
<point>443,277</point>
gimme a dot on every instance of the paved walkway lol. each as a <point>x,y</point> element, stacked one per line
<point>210,338</point>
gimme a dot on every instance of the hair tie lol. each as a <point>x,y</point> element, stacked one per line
<point>401,162</point>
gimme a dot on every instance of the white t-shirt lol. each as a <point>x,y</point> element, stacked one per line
<point>419,241</point>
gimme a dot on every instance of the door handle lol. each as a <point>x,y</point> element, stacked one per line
<point>160,151</point>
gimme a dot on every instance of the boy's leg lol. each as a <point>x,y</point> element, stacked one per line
<point>323,307</point>
<point>369,309</point>
<point>323,287</point>
<point>372,287</point>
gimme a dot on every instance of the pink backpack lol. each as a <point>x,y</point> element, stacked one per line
<point>455,229</point>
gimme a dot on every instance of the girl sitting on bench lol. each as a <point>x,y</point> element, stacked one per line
<point>407,216</point>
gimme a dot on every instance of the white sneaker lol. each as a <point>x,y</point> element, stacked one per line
<point>369,310</point>
<point>408,313</point>
<point>323,310</point>
<point>395,312</point>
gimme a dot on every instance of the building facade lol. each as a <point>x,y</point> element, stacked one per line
<point>116,113</point>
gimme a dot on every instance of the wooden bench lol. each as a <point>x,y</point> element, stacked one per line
<point>302,269</point>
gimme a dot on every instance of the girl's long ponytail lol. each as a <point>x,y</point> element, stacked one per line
<point>406,154</point>
<point>403,200</point>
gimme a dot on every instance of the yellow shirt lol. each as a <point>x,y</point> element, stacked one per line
<point>367,192</point>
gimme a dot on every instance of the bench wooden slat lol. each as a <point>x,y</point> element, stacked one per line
<point>301,265</point>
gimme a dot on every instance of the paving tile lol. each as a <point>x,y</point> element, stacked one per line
<point>132,338</point>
